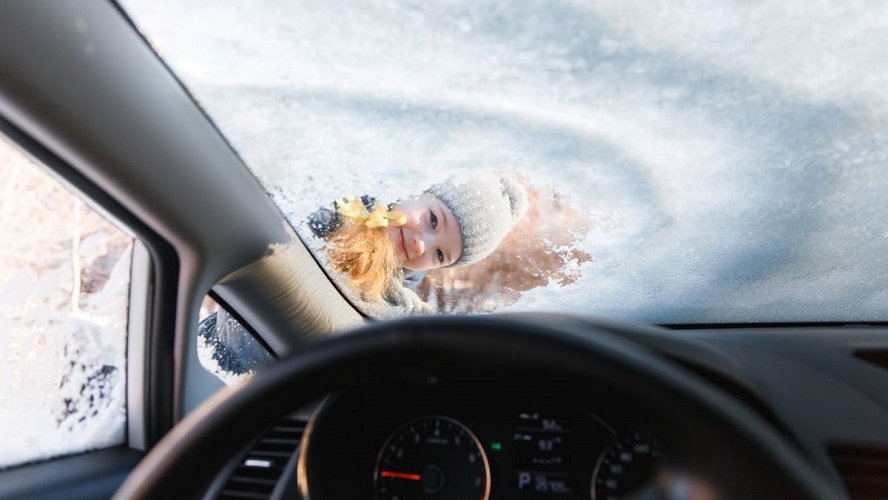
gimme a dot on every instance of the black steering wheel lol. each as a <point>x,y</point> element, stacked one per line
<point>724,445</point>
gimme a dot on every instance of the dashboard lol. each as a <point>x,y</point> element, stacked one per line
<point>457,423</point>
<point>495,441</point>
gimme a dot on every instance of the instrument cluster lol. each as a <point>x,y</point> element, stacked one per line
<point>483,443</point>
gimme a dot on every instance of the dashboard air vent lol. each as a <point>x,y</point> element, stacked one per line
<point>258,472</point>
<point>864,470</point>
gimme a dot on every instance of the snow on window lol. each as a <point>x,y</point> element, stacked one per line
<point>225,348</point>
<point>64,291</point>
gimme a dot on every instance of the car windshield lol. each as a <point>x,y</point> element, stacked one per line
<point>677,163</point>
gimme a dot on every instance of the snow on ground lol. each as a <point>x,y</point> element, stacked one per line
<point>737,149</point>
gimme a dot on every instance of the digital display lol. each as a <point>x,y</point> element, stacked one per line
<point>537,452</point>
<point>541,454</point>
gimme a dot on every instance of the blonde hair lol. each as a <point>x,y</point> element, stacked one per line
<point>366,255</point>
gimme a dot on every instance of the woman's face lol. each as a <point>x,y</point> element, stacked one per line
<point>431,237</point>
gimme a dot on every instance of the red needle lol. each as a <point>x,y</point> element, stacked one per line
<point>400,475</point>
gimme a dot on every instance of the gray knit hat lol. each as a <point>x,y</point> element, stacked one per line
<point>486,208</point>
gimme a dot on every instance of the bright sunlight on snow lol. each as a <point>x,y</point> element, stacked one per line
<point>716,161</point>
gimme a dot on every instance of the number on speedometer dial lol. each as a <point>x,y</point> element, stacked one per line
<point>432,457</point>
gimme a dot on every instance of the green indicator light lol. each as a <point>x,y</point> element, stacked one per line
<point>496,446</point>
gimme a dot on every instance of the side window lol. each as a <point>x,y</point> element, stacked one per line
<point>64,290</point>
<point>225,348</point>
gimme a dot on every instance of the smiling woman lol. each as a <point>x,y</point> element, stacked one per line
<point>431,236</point>
<point>454,223</point>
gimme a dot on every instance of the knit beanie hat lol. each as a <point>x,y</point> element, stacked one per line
<point>486,208</point>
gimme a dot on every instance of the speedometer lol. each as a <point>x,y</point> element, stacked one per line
<point>432,457</point>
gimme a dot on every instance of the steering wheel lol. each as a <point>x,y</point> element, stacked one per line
<point>723,444</point>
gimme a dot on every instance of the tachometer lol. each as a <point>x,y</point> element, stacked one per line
<point>432,457</point>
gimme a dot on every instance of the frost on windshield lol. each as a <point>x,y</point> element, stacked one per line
<point>64,289</point>
<point>727,159</point>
